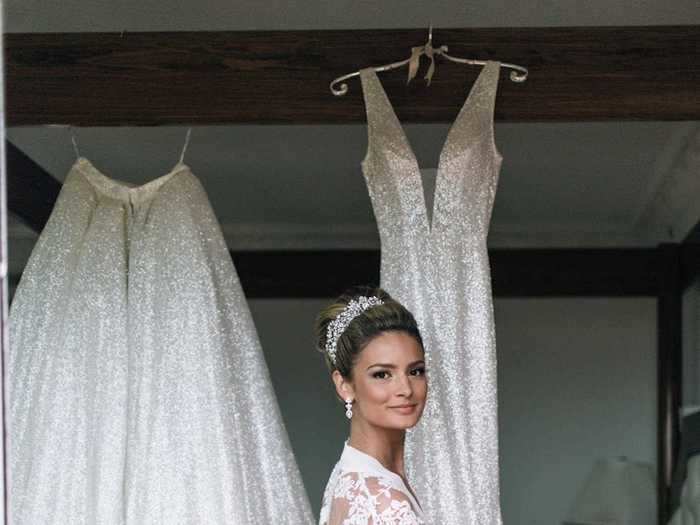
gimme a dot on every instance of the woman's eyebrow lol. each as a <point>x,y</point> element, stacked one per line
<point>385,365</point>
<point>389,365</point>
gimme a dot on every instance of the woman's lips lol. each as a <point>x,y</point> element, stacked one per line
<point>405,409</point>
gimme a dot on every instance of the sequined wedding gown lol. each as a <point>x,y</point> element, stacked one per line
<point>440,271</point>
<point>138,390</point>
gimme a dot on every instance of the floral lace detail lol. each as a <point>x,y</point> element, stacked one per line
<point>356,498</point>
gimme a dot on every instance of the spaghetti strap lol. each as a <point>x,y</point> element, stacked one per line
<point>74,141</point>
<point>184,148</point>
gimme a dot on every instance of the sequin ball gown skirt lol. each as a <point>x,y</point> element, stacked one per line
<point>139,392</point>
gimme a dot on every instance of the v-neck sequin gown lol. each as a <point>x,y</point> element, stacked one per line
<point>440,271</point>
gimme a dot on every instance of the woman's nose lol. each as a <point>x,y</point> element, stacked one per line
<point>405,387</point>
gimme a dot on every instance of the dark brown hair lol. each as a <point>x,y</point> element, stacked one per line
<point>390,316</point>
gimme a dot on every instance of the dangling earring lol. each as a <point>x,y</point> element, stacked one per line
<point>348,408</point>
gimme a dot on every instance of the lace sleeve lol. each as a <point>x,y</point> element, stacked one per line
<point>369,500</point>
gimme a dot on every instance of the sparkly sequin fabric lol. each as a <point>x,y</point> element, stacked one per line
<point>138,391</point>
<point>440,271</point>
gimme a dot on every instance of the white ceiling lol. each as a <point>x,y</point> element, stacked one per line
<point>563,184</point>
<point>220,15</point>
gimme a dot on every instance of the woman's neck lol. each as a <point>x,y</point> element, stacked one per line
<point>386,446</point>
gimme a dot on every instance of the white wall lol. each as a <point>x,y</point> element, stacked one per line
<point>219,15</point>
<point>577,381</point>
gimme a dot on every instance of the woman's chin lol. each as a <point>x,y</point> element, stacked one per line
<point>402,422</point>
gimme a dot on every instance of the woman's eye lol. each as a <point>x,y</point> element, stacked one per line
<point>418,371</point>
<point>382,374</point>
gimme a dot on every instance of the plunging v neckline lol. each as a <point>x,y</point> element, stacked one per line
<point>429,221</point>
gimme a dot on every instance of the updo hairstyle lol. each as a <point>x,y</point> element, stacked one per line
<point>390,316</point>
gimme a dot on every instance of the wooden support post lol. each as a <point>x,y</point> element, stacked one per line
<point>669,371</point>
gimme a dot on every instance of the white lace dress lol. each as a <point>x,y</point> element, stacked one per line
<point>361,491</point>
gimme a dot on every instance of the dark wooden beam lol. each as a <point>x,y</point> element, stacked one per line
<point>31,191</point>
<point>690,256</point>
<point>514,272</point>
<point>690,263</point>
<point>304,275</point>
<point>601,272</point>
<point>669,372</point>
<point>576,74</point>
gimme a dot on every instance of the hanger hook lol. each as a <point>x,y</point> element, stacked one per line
<point>430,34</point>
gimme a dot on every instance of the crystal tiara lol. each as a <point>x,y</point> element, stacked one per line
<point>338,325</point>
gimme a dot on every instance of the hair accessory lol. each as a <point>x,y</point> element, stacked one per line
<point>338,325</point>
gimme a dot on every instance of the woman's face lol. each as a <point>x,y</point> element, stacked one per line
<point>389,384</point>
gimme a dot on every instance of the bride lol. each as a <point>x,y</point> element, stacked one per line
<point>375,353</point>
